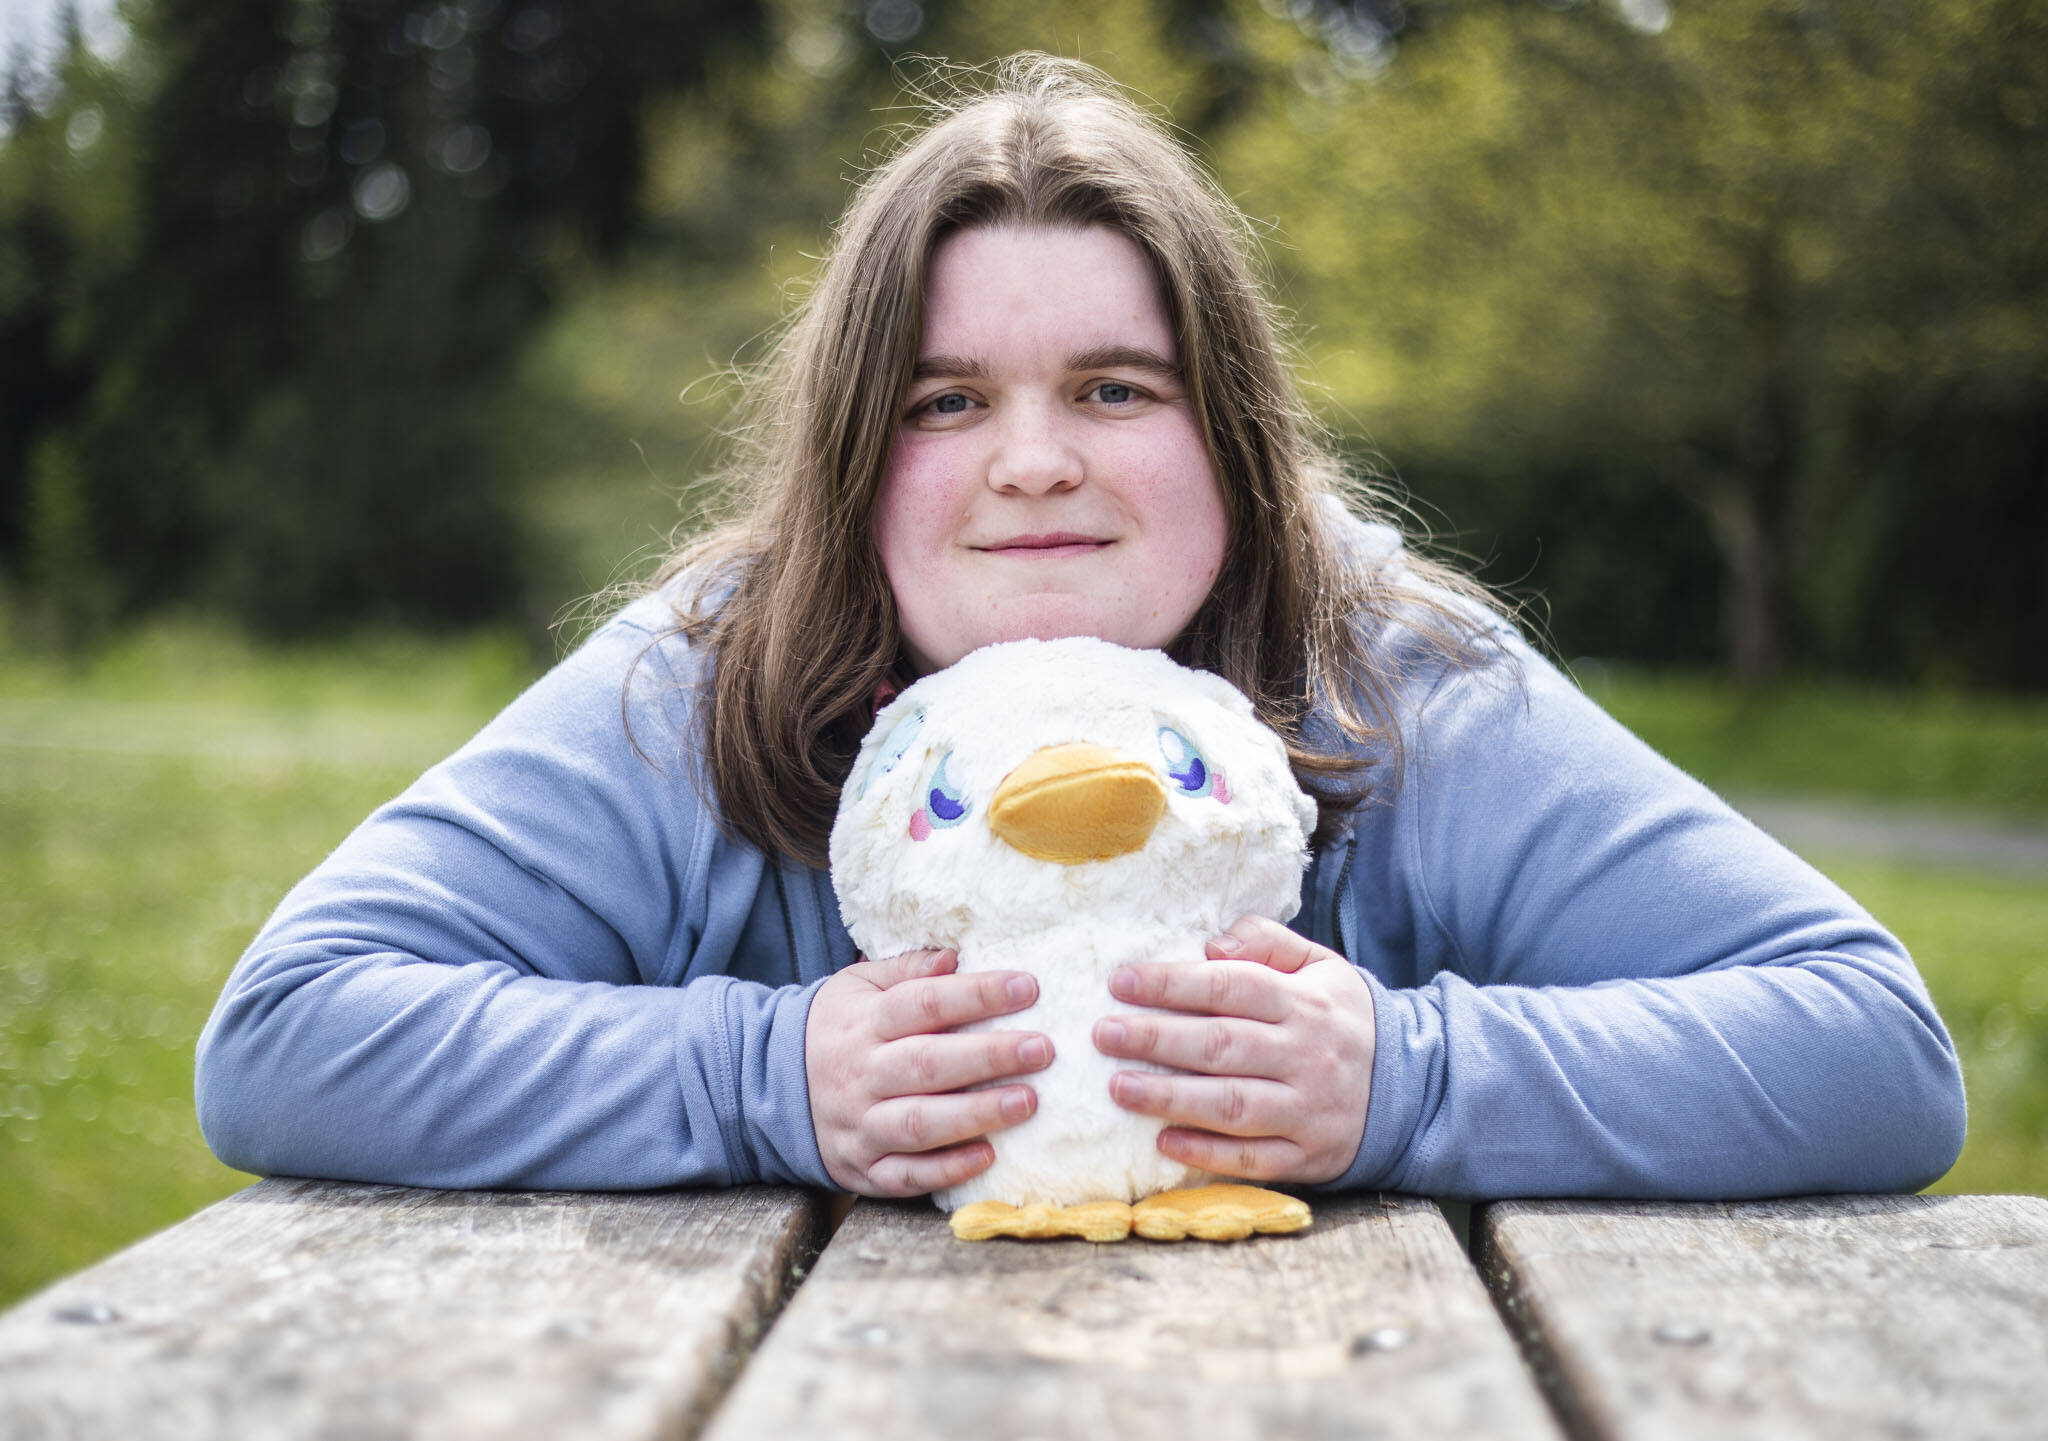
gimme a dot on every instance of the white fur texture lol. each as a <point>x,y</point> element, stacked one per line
<point>1207,864</point>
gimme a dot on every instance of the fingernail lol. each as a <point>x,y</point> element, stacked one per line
<point>1124,982</point>
<point>1016,1105</point>
<point>1021,989</point>
<point>1035,1052</point>
<point>1228,944</point>
<point>1124,1088</point>
<point>1111,1033</point>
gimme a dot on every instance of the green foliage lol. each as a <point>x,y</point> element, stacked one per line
<point>69,587</point>
<point>67,231</point>
<point>1747,258</point>
<point>1726,334</point>
<point>287,399</point>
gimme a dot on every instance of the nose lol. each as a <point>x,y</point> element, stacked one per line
<point>1075,803</point>
<point>1032,456</point>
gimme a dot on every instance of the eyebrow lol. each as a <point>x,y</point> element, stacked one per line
<point>1099,357</point>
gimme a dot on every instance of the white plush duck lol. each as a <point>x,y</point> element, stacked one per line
<point>1063,807</point>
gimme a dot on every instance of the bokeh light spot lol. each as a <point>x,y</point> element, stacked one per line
<point>86,126</point>
<point>463,149</point>
<point>382,193</point>
<point>894,21</point>
<point>325,236</point>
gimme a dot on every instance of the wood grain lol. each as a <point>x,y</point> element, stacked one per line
<point>1849,1316</point>
<point>1369,1324</point>
<point>304,1309</point>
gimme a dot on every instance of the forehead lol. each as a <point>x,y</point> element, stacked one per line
<point>1041,291</point>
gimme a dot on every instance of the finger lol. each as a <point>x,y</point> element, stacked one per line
<point>1256,938</point>
<point>927,1065</point>
<point>1230,1105</point>
<point>908,966</point>
<point>1215,1046</point>
<point>1251,1158</point>
<point>918,1175</point>
<point>939,1003</point>
<point>929,1123</point>
<point>1217,988</point>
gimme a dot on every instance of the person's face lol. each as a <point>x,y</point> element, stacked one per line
<point>1048,478</point>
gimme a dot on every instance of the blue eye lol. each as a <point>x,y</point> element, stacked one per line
<point>900,736</point>
<point>942,802</point>
<point>1184,764</point>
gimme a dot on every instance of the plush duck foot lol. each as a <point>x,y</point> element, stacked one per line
<point>1217,1213</point>
<point>1209,1213</point>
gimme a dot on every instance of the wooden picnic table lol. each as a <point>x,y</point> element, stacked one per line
<point>317,1309</point>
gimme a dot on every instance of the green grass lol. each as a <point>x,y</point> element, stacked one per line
<point>153,809</point>
<point>1982,945</point>
<point>1839,739</point>
<point>155,804</point>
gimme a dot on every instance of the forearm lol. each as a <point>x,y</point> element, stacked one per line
<point>358,1064</point>
<point>1830,1073</point>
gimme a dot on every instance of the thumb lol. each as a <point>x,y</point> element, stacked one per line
<point>909,966</point>
<point>1258,938</point>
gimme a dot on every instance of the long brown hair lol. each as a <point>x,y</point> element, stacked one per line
<point>791,597</point>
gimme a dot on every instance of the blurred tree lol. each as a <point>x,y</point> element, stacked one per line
<point>1716,247</point>
<point>349,214</point>
<point>1743,299</point>
<point>67,231</point>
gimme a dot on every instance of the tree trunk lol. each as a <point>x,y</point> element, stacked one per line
<point>1752,511</point>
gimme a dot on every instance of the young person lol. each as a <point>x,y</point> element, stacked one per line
<point>1038,392</point>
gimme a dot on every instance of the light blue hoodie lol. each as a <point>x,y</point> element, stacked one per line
<point>544,965</point>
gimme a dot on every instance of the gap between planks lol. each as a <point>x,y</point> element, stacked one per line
<point>1371,1324</point>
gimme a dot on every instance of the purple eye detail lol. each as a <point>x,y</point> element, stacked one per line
<point>1184,764</point>
<point>942,802</point>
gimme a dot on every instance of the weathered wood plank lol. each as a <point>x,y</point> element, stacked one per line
<point>303,1308</point>
<point>1371,1323</point>
<point>1847,1316</point>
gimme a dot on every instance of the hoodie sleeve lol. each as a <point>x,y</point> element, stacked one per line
<point>509,975</point>
<point>1591,977</point>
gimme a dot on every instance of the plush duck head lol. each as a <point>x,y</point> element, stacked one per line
<point>1064,807</point>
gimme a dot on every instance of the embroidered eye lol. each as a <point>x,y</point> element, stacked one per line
<point>1184,764</point>
<point>942,800</point>
<point>893,746</point>
<point>943,806</point>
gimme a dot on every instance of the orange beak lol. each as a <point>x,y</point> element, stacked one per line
<point>1075,803</point>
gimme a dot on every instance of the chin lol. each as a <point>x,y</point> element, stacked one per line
<point>1063,622</point>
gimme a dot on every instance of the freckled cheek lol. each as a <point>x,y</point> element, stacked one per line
<point>1173,482</point>
<point>920,506</point>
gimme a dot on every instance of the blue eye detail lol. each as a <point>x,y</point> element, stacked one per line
<point>898,741</point>
<point>1184,764</point>
<point>942,802</point>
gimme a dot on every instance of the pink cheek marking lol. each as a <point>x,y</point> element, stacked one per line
<point>920,827</point>
<point>1220,791</point>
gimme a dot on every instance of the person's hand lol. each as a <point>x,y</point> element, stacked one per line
<point>1280,1033</point>
<point>886,1083</point>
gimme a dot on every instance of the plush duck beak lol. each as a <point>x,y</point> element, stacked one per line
<point>1075,803</point>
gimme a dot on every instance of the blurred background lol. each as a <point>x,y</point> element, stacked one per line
<point>347,347</point>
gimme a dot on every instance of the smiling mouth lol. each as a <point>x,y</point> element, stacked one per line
<point>1053,543</point>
